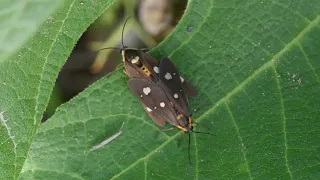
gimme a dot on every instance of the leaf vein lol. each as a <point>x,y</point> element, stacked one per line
<point>240,138</point>
<point>260,69</point>
<point>51,170</point>
<point>4,122</point>
<point>197,156</point>
<point>37,111</point>
<point>295,12</point>
<point>145,169</point>
<point>308,61</point>
<point>284,122</point>
<point>146,156</point>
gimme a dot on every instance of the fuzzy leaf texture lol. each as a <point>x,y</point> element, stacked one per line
<point>256,66</point>
<point>36,37</point>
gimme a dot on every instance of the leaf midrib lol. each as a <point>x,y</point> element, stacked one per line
<point>46,61</point>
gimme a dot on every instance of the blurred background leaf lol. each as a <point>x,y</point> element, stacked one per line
<point>19,20</point>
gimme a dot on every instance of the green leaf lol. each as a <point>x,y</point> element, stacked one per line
<point>27,75</point>
<point>255,63</point>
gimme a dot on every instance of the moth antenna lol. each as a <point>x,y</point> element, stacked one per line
<point>123,30</point>
<point>201,107</point>
<point>108,48</point>
<point>201,125</point>
<point>121,37</point>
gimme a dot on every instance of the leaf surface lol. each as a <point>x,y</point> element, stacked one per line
<point>255,63</point>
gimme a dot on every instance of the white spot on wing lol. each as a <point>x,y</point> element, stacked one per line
<point>156,69</point>
<point>175,95</point>
<point>148,109</point>
<point>146,90</point>
<point>181,78</point>
<point>168,76</point>
<point>162,104</point>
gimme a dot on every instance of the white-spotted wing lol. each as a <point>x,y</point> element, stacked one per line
<point>136,60</point>
<point>171,82</point>
<point>188,88</point>
<point>154,100</point>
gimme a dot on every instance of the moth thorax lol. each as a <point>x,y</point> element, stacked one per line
<point>145,70</point>
<point>184,123</point>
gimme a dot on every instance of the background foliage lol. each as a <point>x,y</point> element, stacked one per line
<point>256,64</point>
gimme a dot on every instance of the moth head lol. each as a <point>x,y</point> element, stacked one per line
<point>131,56</point>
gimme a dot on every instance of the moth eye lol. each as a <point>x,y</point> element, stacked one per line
<point>156,69</point>
<point>175,95</point>
<point>162,104</point>
<point>141,95</point>
<point>174,74</point>
<point>155,107</point>
<point>180,90</point>
<point>146,90</point>
<point>148,109</point>
<point>168,76</point>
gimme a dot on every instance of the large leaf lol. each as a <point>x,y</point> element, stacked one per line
<point>27,75</point>
<point>256,63</point>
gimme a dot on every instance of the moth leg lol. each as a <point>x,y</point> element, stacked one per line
<point>168,129</point>
<point>125,72</point>
<point>198,124</point>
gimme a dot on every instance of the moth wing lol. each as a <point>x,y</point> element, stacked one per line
<point>153,65</point>
<point>131,71</point>
<point>159,120</point>
<point>146,58</point>
<point>154,100</point>
<point>170,81</point>
<point>188,87</point>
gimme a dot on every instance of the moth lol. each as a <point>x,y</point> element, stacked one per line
<point>165,100</point>
<point>139,64</point>
<point>159,87</point>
